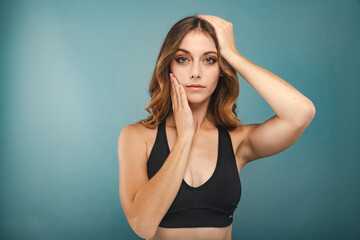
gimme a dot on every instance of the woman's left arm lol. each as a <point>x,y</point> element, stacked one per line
<point>294,111</point>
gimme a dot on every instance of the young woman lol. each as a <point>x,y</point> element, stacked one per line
<point>179,168</point>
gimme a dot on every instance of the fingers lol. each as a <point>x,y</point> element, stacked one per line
<point>181,102</point>
<point>177,91</point>
<point>183,96</point>
<point>181,93</point>
<point>215,23</point>
<point>174,87</point>
<point>173,94</point>
<point>214,20</point>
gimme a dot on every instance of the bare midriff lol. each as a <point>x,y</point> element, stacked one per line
<point>202,233</point>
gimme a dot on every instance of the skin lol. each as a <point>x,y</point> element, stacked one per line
<point>294,113</point>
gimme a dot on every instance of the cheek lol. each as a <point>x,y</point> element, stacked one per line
<point>213,70</point>
<point>214,79</point>
<point>179,73</point>
<point>214,84</point>
<point>213,76</point>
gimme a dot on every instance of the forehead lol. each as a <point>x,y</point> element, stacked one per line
<point>197,42</point>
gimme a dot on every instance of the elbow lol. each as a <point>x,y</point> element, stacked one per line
<point>143,229</point>
<point>309,112</point>
<point>307,115</point>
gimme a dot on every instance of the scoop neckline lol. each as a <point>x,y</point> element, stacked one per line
<point>207,182</point>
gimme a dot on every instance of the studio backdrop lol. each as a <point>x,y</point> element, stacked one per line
<point>74,73</point>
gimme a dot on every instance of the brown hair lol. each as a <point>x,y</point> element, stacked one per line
<point>221,109</point>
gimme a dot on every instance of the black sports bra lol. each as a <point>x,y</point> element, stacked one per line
<point>213,203</point>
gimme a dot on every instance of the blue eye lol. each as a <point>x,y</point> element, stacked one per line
<point>213,60</point>
<point>180,58</point>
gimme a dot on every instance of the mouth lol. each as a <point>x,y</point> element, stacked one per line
<point>195,87</point>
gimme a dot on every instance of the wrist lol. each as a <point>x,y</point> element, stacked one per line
<point>233,57</point>
<point>230,54</point>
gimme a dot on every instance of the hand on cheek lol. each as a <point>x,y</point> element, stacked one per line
<point>173,75</point>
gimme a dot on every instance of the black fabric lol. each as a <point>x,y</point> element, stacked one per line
<point>209,205</point>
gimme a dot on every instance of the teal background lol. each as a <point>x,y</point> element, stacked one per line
<point>74,73</point>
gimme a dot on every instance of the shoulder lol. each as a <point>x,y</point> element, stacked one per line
<point>130,130</point>
<point>136,134</point>
<point>135,130</point>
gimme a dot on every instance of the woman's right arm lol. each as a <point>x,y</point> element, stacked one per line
<point>145,202</point>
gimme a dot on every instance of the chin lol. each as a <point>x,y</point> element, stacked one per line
<point>197,100</point>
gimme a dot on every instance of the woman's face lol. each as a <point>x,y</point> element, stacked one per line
<point>196,62</point>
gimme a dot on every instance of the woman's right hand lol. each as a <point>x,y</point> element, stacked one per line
<point>182,112</point>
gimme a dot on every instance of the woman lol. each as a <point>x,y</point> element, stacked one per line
<point>179,168</point>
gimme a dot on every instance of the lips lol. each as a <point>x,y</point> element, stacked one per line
<point>195,85</point>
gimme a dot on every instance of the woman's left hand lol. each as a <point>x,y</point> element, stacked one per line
<point>224,34</point>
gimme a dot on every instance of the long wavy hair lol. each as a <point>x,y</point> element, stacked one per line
<point>222,105</point>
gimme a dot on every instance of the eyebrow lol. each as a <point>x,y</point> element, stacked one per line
<point>186,51</point>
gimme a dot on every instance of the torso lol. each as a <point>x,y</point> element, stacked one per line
<point>201,165</point>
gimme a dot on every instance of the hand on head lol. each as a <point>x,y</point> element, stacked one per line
<point>224,33</point>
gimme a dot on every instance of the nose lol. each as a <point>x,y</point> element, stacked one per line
<point>195,71</point>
